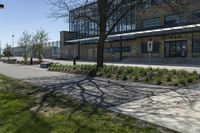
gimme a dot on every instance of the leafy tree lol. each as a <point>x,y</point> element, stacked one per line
<point>39,41</point>
<point>25,43</point>
<point>7,51</point>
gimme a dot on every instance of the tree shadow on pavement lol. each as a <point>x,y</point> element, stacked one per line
<point>97,91</point>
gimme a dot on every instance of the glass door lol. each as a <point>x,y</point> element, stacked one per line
<point>176,49</point>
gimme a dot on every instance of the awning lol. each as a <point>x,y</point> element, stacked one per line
<point>161,31</point>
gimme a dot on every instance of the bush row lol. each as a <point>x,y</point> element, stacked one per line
<point>15,61</point>
<point>137,74</point>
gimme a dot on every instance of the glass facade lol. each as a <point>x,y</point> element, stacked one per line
<point>82,26</point>
<point>197,13</point>
<point>85,27</point>
<point>151,23</point>
<point>117,49</point>
<point>88,28</point>
<point>174,19</point>
<point>196,45</point>
<point>176,49</point>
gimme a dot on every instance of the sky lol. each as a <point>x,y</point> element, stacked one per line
<point>27,15</point>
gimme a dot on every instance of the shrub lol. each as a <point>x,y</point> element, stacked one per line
<point>136,78</point>
<point>169,78</point>
<point>92,72</point>
<point>175,83</point>
<point>173,71</point>
<point>124,77</point>
<point>158,81</point>
<point>128,70</point>
<point>182,81</point>
<point>182,73</point>
<point>147,79</point>
<point>195,73</point>
<point>120,70</point>
<point>152,76</point>
<point>191,79</point>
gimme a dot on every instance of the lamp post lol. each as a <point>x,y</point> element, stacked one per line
<point>1,7</point>
<point>0,49</point>
<point>13,40</point>
<point>12,47</point>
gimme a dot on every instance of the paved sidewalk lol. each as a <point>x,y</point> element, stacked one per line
<point>101,92</point>
<point>189,68</point>
<point>174,108</point>
<point>178,110</point>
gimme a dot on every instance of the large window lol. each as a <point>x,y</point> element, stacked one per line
<point>117,49</point>
<point>176,48</point>
<point>174,19</point>
<point>151,23</point>
<point>86,28</point>
<point>196,45</point>
<point>197,14</point>
<point>156,47</point>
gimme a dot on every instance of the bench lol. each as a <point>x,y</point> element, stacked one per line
<point>45,64</point>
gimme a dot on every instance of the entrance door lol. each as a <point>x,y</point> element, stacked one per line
<point>176,49</point>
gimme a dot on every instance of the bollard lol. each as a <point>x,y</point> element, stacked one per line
<point>31,61</point>
<point>74,62</point>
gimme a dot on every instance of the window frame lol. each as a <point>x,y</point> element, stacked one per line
<point>196,49</point>
<point>151,23</point>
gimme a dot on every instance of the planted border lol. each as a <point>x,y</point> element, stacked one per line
<point>157,76</point>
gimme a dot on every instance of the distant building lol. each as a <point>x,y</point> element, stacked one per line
<point>17,51</point>
<point>173,36</point>
<point>51,50</point>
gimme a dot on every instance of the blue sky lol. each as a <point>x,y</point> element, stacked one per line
<point>21,15</point>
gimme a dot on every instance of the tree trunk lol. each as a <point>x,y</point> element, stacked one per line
<point>103,11</point>
<point>121,49</point>
<point>100,53</point>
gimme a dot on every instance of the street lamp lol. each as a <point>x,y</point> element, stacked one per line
<point>13,50</point>
<point>13,40</point>
<point>1,6</point>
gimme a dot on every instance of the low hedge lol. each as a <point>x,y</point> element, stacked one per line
<point>157,76</point>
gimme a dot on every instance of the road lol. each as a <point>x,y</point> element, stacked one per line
<point>174,108</point>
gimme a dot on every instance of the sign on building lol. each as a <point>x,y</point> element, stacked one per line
<point>150,46</point>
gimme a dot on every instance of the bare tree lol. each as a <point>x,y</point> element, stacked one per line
<point>105,10</point>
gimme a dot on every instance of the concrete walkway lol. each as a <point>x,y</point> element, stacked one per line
<point>189,68</point>
<point>174,108</point>
<point>178,110</point>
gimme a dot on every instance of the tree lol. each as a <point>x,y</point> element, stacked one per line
<point>25,43</point>
<point>7,51</point>
<point>39,41</point>
<point>106,10</point>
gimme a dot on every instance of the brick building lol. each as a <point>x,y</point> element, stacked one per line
<point>175,37</point>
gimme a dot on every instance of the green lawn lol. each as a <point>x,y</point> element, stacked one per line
<point>21,111</point>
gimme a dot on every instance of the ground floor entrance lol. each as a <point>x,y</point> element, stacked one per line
<point>176,48</point>
<point>183,48</point>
